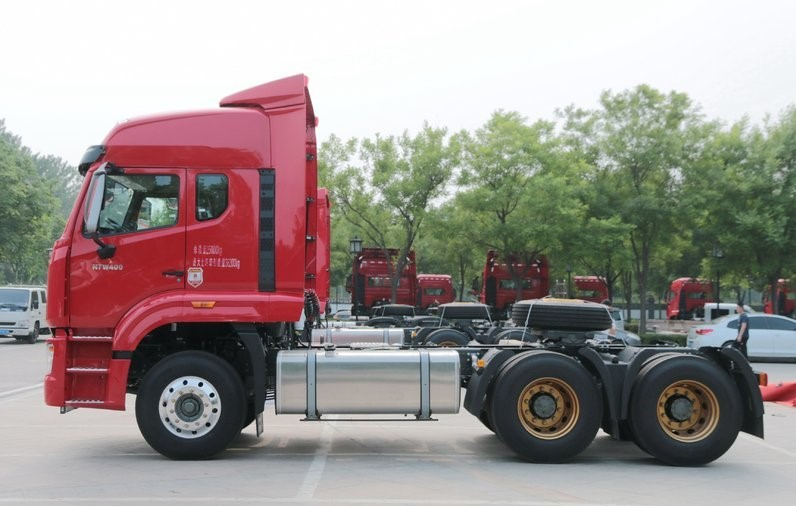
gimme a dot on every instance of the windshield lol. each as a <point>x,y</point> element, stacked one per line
<point>13,299</point>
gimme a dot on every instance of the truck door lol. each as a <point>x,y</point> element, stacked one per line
<point>222,250</point>
<point>138,249</point>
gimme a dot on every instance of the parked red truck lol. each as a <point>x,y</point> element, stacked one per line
<point>193,249</point>
<point>433,290</point>
<point>687,297</point>
<point>370,283</point>
<point>785,297</point>
<point>591,288</point>
<point>498,285</point>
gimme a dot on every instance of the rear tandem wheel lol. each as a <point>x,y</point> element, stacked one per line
<point>685,410</point>
<point>546,407</point>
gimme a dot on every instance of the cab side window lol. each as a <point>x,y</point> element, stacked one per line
<point>211,196</point>
<point>138,202</point>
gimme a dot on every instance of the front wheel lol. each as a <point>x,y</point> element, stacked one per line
<point>685,410</point>
<point>546,407</point>
<point>34,334</point>
<point>190,405</point>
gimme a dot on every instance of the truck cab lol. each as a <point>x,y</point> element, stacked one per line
<point>591,288</point>
<point>499,288</point>
<point>433,290</point>
<point>687,297</point>
<point>174,235</point>
<point>785,299</point>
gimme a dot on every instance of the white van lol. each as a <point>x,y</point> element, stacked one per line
<point>23,312</point>
<point>715,310</point>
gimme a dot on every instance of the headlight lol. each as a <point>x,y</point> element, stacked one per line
<point>23,323</point>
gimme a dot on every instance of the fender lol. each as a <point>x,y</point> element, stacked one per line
<point>210,307</point>
<point>610,397</point>
<point>480,384</point>
<point>732,360</point>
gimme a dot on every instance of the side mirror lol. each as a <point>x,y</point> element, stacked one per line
<point>92,213</point>
<point>94,202</point>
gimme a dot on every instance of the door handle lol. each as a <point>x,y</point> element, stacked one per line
<point>174,273</point>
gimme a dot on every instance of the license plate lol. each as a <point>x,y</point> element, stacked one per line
<point>4,332</point>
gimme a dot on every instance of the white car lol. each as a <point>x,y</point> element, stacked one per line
<point>770,336</point>
<point>618,317</point>
<point>23,310</point>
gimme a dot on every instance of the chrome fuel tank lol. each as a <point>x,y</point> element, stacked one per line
<point>345,336</point>
<point>323,382</point>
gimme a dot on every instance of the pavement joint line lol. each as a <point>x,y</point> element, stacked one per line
<point>314,474</point>
<point>768,445</point>
<point>20,390</point>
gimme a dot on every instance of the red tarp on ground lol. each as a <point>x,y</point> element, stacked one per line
<point>783,393</point>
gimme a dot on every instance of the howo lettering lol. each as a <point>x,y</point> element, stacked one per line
<point>223,233</point>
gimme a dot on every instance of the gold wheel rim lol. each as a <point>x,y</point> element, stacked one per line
<point>688,411</point>
<point>548,408</point>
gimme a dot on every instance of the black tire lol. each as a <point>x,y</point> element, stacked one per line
<point>210,396</point>
<point>484,418</point>
<point>448,338</point>
<point>522,334</point>
<point>561,315</point>
<point>684,410</point>
<point>381,322</point>
<point>34,334</point>
<point>546,407</point>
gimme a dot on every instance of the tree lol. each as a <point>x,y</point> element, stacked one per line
<point>63,178</point>
<point>645,138</point>
<point>448,241</point>
<point>749,178</point>
<point>388,190</point>
<point>517,189</point>
<point>27,222</point>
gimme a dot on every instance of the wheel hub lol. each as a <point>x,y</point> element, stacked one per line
<point>688,411</point>
<point>548,408</point>
<point>189,407</point>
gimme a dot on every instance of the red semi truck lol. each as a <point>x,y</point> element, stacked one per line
<point>498,284</point>
<point>370,283</point>
<point>591,288</point>
<point>786,299</point>
<point>193,249</point>
<point>687,297</point>
<point>433,290</point>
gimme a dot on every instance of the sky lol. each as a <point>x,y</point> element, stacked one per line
<point>73,69</point>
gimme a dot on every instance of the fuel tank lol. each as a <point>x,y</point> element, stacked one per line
<point>346,336</point>
<point>318,382</point>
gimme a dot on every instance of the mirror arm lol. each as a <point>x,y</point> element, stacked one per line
<point>105,251</point>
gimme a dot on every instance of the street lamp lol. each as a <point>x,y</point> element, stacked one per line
<point>355,246</point>
<point>718,254</point>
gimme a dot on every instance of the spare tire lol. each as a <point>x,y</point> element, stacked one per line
<point>520,334</point>
<point>561,314</point>
<point>463,311</point>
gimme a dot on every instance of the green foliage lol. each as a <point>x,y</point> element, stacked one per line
<point>386,187</point>
<point>29,214</point>
<point>640,191</point>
